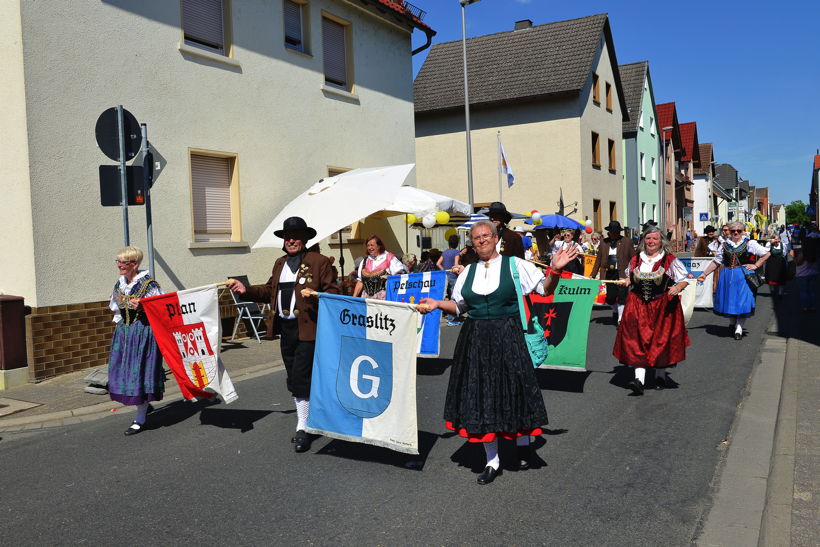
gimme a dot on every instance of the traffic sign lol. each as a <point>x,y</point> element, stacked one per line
<point>106,132</point>
<point>110,185</point>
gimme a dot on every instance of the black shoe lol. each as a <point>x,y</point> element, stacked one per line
<point>660,382</point>
<point>134,429</point>
<point>524,457</point>
<point>488,475</point>
<point>302,442</point>
<point>738,335</point>
<point>636,386</point>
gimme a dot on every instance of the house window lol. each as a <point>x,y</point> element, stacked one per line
<point>654,170</point>
<point>651,126</point>
<point>596,214</point>
<point>335,44</point>
<point>643,212</point>
<point>596,150</point>
<point>215,196</point>
<point>643,165</point>
<point>596,90</point>
<point>613,211</point>
<point>295,15</point>
<point>609,96</point>
<point>610,145</point>
<point>654,213</point>
<point>203,24</point>
<point>640,120</point>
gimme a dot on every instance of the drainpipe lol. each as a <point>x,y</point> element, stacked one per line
<point>430,33</point>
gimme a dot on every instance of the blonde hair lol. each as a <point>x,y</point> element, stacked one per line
<point>131,254</point>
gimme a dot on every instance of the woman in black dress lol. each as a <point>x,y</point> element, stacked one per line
<point>776,271</point>
<point>493,391</point>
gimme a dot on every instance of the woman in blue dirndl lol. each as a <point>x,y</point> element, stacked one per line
<point>739,257</point>
<point>135,374</point>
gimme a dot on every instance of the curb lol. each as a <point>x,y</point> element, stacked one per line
<point>100,410</point>
<point>743,484</point>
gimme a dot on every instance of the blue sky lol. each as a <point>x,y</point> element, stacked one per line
<point>747,72</point>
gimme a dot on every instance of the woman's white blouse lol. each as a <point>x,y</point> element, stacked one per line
<point>113,304</point>
<point>395,266</point>
<point>486,280</point>
<point>560,244</point>
<point>677,271</point>
<point>753,247</point>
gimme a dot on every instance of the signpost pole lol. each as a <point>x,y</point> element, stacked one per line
<point>123,176</point>
<point>148,170</point>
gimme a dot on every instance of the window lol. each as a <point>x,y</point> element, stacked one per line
<point>640,120</point>
<point>610,145</point>
<point>643,212</point>
<point>651,126</point>
<point>613,211</point>
<point>596,214</point>
<point>596,150</point>
<point>203,24</point>
<point>335,50</point>
<point>215,196</point>
<point>643,166</point>
<point>596,90</point>
<point>654,170</point>
<point>654,213</point>
<point>609,96</point>
<point>295,28</point>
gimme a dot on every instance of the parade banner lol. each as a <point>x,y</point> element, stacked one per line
<point>564,317</point>
<point>187,329</point>
<point>589,263</point>
<point>364,372</point>
<point>410,288</point>
<point>704,291</point>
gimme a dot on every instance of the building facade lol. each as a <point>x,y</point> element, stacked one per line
<point>557,108</point>
<point>703,192</point>
<point>671,146</point>
<point>248,103</point>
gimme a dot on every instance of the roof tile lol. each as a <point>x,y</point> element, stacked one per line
<point>632,79</point>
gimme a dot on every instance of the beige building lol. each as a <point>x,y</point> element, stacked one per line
<point>249,103</point>
<point>552,94</point>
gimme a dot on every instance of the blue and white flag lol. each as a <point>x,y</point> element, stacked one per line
<point>364,372</point>
<point>410,288</point>
<point>506,168</point>
<point>703,290</point>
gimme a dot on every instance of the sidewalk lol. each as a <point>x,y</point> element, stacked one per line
<point>62,401</point>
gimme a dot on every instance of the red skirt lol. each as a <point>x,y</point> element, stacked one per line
<point>490,437</point>
<point>651,334</point>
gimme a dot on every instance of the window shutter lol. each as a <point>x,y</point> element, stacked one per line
<point>211,189</point>
<point>293,25</point>
<point>335,52</point>
<point>202,23</point>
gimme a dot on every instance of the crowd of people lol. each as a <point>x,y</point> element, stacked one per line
<point>492,392</point>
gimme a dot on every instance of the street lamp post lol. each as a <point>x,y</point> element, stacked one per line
<point>464,4</point>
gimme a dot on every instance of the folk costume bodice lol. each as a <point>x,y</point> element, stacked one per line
<point>373,268</point>
<point>502,302</point>
<point>650,285</point>
<point>141,286</point>
<point>735,256</point>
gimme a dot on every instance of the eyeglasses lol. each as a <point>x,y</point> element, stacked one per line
<point>482,237</point>
<point>124,262</point>
<point>736,231</point>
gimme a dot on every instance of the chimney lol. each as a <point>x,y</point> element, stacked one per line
<point>523,24</point>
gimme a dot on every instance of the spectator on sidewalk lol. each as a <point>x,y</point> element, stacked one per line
<point>807,272</point>
<point>776,266</point>
<point>449,259</point>
<point>135,375</point>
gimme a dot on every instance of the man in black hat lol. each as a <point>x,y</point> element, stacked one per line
<point>294,316</point>
<point>509,242</point>
<point>614,255</point>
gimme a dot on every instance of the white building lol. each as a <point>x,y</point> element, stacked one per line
<point>249,102</point>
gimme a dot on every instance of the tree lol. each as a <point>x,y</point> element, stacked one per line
<point>796,212</point>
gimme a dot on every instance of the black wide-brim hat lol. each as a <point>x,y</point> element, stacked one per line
<point>614,226</point>
<point>498,208</point>
<point>295,224</point>
<point>709,229</point>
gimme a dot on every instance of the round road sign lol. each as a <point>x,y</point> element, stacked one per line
<point>106,132</point>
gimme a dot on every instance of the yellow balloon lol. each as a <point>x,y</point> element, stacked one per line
<point>450,233</point>
<point>410,218</point>
<point>537,222</point>
<point>442,217</point>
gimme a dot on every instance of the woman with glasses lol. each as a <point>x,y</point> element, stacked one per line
<point>493,392</point>
<point>565,240</point>
<point>135,374</point>
<point>739,257</point>
<point>591,247</point>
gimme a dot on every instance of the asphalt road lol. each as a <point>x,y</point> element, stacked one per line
<point>615,469</point>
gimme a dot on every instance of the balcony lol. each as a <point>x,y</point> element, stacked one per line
<point>415,11</point>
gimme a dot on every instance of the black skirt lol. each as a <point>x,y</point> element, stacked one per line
<point>493,388</point>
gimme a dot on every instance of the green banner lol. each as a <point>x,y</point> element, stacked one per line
<point>564,316</point>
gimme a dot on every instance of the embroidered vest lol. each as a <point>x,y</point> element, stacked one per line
<point>139,290</point>
<point>372,274</point>
<point>650,286</point>
<point>502,302</point>
<point>735,256</point>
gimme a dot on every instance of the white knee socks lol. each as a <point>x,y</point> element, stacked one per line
<point>302,412</point>
<point>740,322</point>
<point>640,375</point>
<point>491,448</point>
<point>142,413</point>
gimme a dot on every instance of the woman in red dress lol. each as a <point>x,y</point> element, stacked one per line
<point>652,333</point>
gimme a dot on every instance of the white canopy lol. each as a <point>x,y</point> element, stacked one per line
<point>422,202</point>
<point>336,202</point>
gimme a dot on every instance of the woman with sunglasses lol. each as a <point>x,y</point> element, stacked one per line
<point>734,297</point>
<point>135,374</point>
